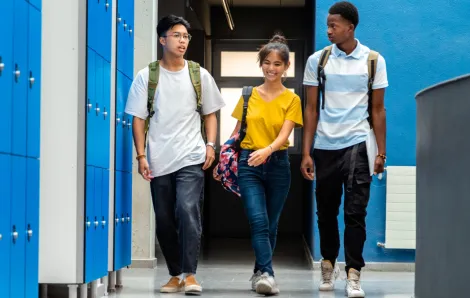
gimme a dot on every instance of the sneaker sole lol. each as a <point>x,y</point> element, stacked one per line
<point>265,289</point>
<point>169,291</point>
<point>354,295</point>
<point>193,290</point>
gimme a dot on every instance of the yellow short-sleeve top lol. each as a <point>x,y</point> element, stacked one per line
<point>265,119</point>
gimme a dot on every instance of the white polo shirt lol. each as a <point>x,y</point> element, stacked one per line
<point>343,121</point>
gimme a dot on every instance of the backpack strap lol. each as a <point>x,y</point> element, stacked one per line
<point>195,75</point>
<point>154,74</point>
<point>372,62</point>
<point>246,93</point>
<point>321,77</point>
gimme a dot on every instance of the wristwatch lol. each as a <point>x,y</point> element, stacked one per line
<point>211,144</point>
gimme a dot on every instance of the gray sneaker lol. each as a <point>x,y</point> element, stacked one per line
<point>254,280</point>
<point>328,275</point>
<point>267,285</point>
<point>353,285</point>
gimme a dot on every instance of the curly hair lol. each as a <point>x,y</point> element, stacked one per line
<point>347,10</point>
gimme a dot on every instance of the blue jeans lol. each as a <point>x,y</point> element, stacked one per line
<point>264,190</point>
<point>177,200</point>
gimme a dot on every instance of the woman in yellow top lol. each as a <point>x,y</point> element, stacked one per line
<point>263,168</point>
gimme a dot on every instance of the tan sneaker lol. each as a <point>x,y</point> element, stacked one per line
<point>191,286</point>
<point>174,285</point>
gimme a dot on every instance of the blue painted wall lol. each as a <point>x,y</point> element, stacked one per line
<point>423,43</point>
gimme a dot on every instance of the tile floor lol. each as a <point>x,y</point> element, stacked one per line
<point>225,269</point>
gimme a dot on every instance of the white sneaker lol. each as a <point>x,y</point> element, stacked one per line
<point>267,285</point>
<point>254,280</point>
<point>353,285</point>
<point>328,275</point>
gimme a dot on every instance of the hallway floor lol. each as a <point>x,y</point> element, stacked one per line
<point>226,267</point>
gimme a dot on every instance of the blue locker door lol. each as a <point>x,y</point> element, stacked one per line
<point>6,73</point>
<point>36,4</point>
<point>32,228</point>
<point>128,205</point>
<point>34,84</point>
<point>17,227</point>
<point>20,78</point>
<point>117,223</point>
<point>106,25</point>
<point>128,136</point>
<point>129,59</point>
<point>104,223</point>
<point>97,149</point>
<point>119,118</point>
<point>5,230</point>
<point>90,108</point>
<point>92,24</point>
<point>104,118</point>
<point>98,249</point>
<point>120,41</point>
<point>89,225</point>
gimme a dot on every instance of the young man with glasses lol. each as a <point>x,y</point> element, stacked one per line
<point>177,153</point>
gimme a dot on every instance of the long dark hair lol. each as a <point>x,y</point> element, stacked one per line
<point>277,43</point>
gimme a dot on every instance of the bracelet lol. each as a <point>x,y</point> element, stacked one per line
<point>382,156</point>
<point>140,156</point>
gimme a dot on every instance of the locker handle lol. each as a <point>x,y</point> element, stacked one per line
<point>89,106</point>
<point>31,79</point>
<point>103,223</point>
<point>88,223</point>
<point>97,109</point>
<point>30,234</point>
<point>130,31</point>
<point>105,113</point>
<point>2,65</point>
<point>128,219</point>
<point>15,235</point>
<point>119,19</point>
<point>125,26</point>
<point>118,120</point>
<point>1,236</point>
<point>107,5</point>
<point>17,73</point>
<point>124,123</point>
<point>117,219</point>
<point>97,223</point>
<point>123,219</point>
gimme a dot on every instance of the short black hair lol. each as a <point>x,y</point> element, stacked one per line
<point>168,22</point>
<point>347,10</point>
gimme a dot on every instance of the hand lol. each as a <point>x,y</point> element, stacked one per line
<point>144,169</point>
<point>379,165</point>
<point>215,176</point>
<point>307,169</point>
<point>259,156</point>
<point>210,157</point>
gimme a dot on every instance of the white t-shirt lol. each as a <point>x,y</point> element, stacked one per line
<point>174,138</point>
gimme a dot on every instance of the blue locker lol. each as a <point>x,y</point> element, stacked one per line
<point>6,73</point>
<point>89,225</point>
<point>34,84</point>
<point>104,117</point>
<point>118,231</point>
<point>20,78</point>
<point>91,106</point>
<point>128,205</point>
<point>129,50</point>
<point>120,44</point>
<point>5,230</point>
<point>32,228</point>
<point>98,250</point>
<point>104,224</point>
<point>97,149</point>
<point>17,227</point>
<point>36,4</point>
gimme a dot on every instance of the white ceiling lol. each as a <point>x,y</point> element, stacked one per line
<point>262,3</point>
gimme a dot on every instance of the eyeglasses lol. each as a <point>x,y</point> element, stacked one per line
<point>178,35</point>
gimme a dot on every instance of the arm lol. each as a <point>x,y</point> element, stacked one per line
<point>237,128</point>
<point>138,131</point>
<point>310,119</point>
<point>310,128</point>
<point>378,119</point>
<point>259,156</point>
<point>211,133</point>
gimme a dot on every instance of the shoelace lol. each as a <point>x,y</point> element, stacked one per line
<point>326,275</point>
<point>355,284</point>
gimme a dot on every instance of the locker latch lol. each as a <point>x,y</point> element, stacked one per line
<point>14,234</point>
<point>97,109</point>
<point>31,79</point>
<point>30,232</point>
<point>107,5</point>
<point>105,113</point>
<point>17,73</point>
<point>2,65</point>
